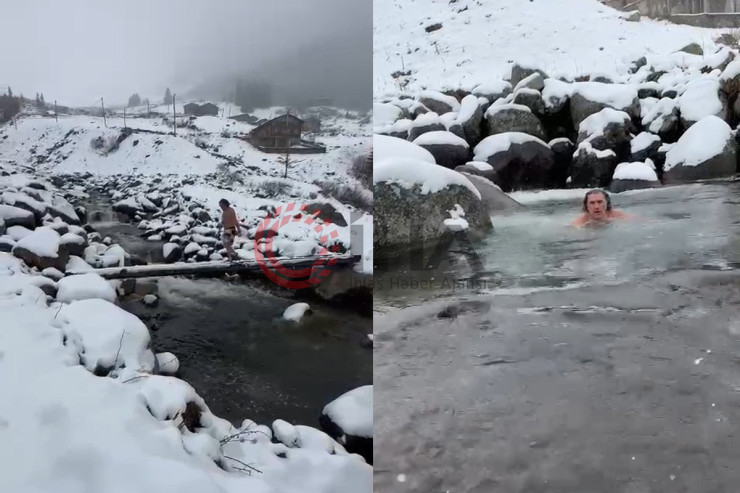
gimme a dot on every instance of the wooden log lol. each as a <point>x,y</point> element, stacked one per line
<point>213,268</point>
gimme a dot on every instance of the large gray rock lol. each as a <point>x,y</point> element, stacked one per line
<point>562,149</point>
<point>494,199</point>
<point>513,118</point>
<point>448,149</point>
<point>592,168</point>
<point>520,161</point>
<point>707,150</point>
<point>406,219</point>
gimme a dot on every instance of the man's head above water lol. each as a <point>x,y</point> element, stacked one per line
<point>597,209</point>
<point>597,204</point>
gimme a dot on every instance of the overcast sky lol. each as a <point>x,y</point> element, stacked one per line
<point>76,51</point>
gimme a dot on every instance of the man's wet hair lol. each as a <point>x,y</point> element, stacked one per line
<point>602,192</point>
<point>224,202</point>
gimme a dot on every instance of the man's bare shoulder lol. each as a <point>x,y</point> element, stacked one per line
<point>580,221</point>
<point>617,214</point>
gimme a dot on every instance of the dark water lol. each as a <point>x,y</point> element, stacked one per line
<point>235,349</point>
<point>600,361</point>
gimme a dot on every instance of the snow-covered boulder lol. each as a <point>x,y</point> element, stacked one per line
<point>74,244</point>
<point>296,311</point>
<point>520,72</point>
<point>62,209</point>
<point>492,90</point>
<point>411,201</point>
<point>534,81</point>
<point>607,129</point>
<point>437,102</point>
<point>644,146</point>
<point>662,118</point>
<point>15,216</point>
<point>587,98</point>
<point>23,201</point>
<point>562,149</point>
<point>128,207</point>
<point>530,98</point>
<point>513,118</point>
<point>83,287</point>
<point>592,167</point>
<point>494,199</point>
<point>519,160</point>
<point>385,147</point>
<point>707,150</point>
<point>448,149</point>
<point>702,97</point>
<point>172,252</point>
<point>470,118</point>
<point>603,141</point>
<point>349,420</point>
<point>633,176</point>
<point>385,114</point>
<point>428,122</point>
<point>42,249</point>
<point>106,337</point>
<point>167,363</point>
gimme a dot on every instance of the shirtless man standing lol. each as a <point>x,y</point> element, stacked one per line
<point>597,208</point>
<point>231,228</point>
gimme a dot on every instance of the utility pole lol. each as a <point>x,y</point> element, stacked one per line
<point>56,115</point>
<point>148,113</point>
<point>15,122</point>
<point>105,121</point>
<point>124,117</point>
<point>174,116</point>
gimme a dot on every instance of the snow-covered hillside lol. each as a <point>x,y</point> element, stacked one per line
<point>479,40</point>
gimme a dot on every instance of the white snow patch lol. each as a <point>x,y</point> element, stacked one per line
<point>385,147</point>
<point>353,411</point>
<point>642,141</point>
<point>296,311</point>
<point>702,141</point>
<point>440,138</point>
<point>44,242</point>
<point>635,171</point>
<point>494,144</point>
<point>479,165</point>
<point>700,99</point>
<point>83,287</point>
<point>409,172</point>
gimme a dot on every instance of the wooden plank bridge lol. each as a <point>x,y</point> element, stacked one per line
<point>218,268</point>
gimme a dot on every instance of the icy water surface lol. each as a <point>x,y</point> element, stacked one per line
<point>599,361</point>
<point>686,227</point>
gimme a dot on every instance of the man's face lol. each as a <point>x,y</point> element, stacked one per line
<point>596,206</point>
